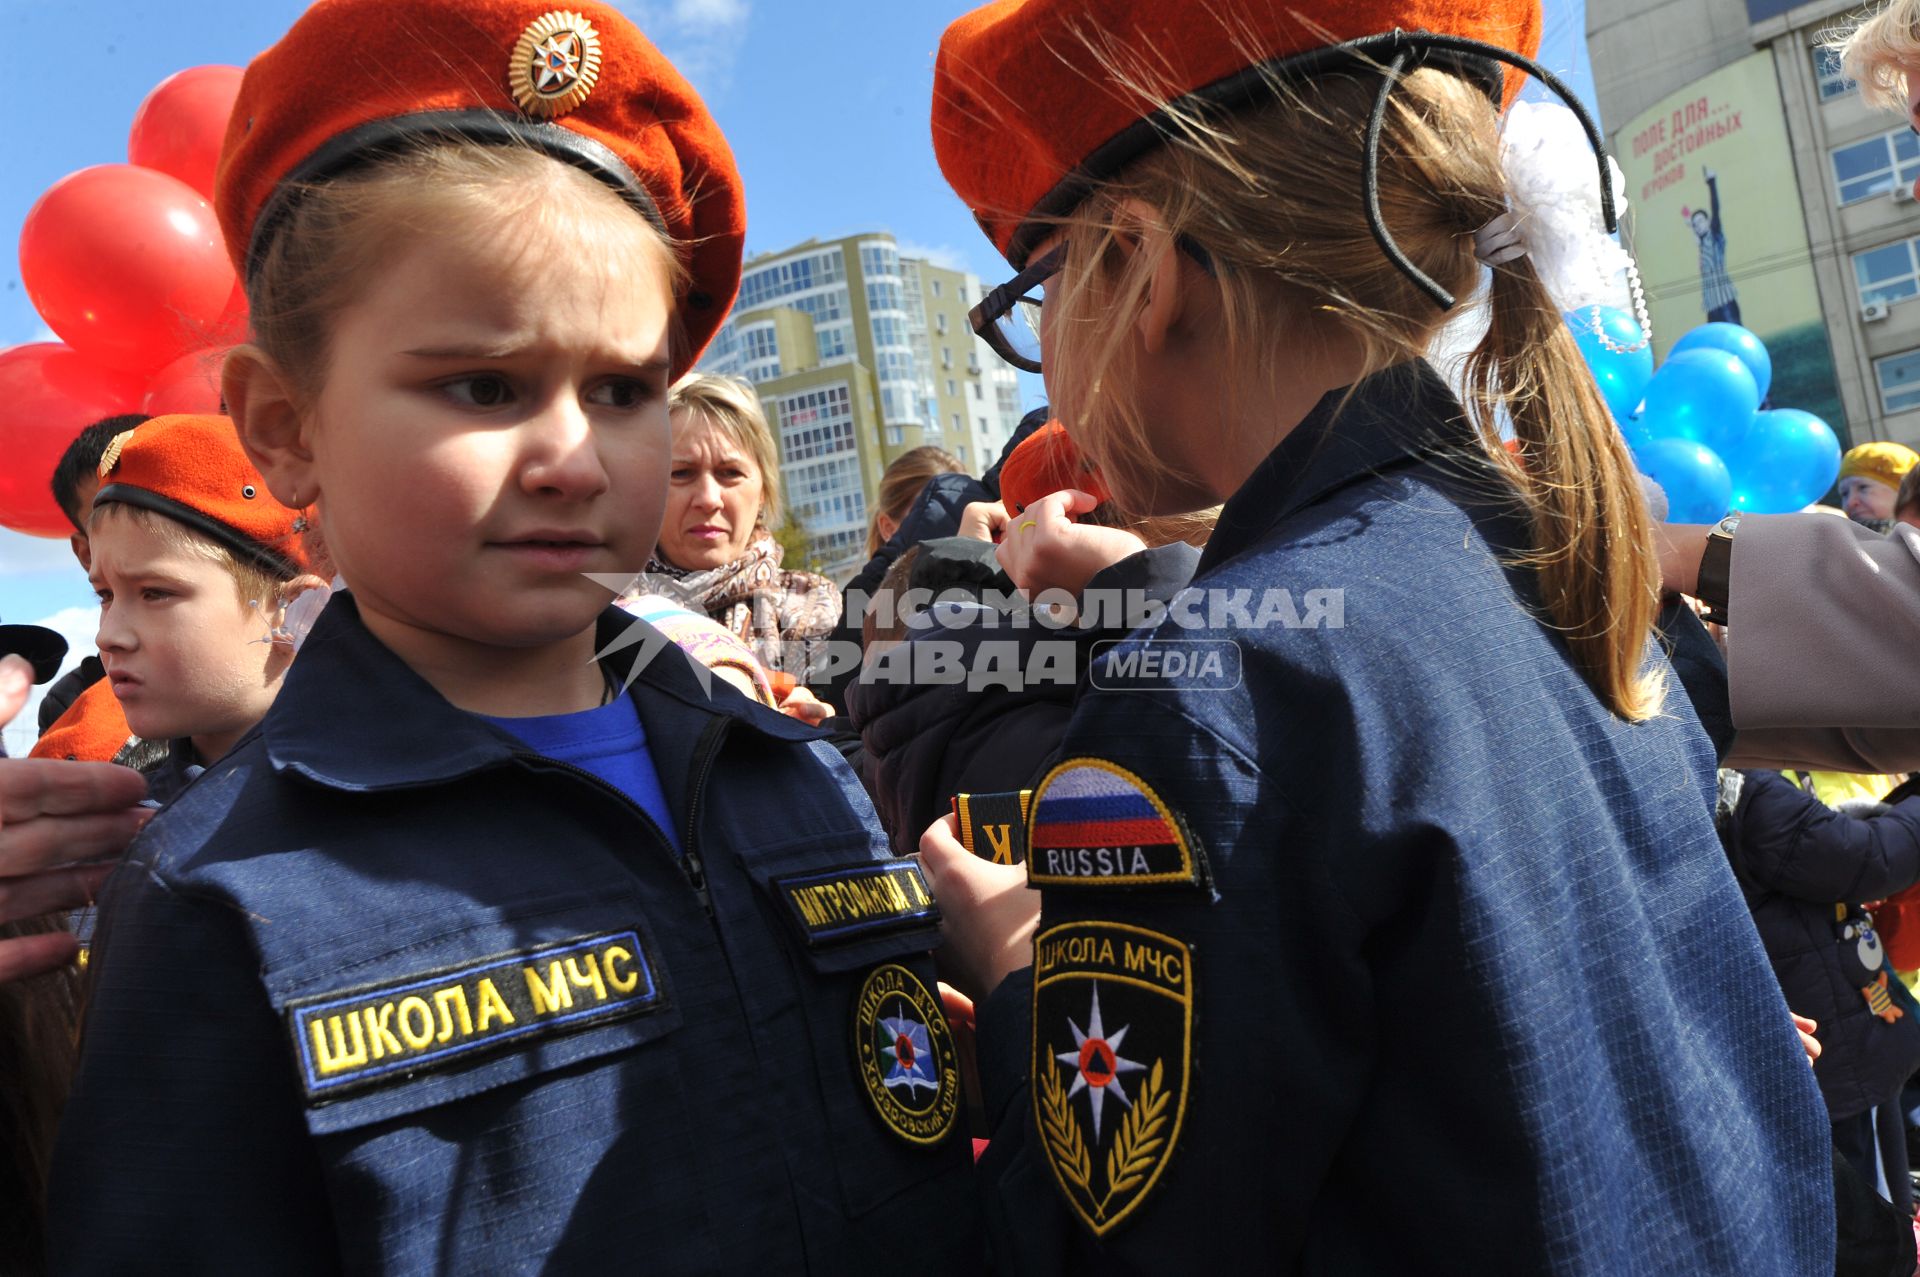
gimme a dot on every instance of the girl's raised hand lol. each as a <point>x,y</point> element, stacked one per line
<point>1044,549</point>
<point>983,521</point>
<point>988,913</point>
<point>55,816</point>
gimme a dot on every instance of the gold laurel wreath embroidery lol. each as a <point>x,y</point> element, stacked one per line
<point>1062,1133</point>
<point>1140,1137</point>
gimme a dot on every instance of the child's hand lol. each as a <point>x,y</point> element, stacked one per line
<point>805,706</point>
<point>983,521</point>
<point>1806,1029</point>
<point>1044,549</point>
<point>55,815</point>
<point>988,913</point>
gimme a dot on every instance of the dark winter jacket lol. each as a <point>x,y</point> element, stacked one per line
<point>931,734</point>
<point>1806,869</point>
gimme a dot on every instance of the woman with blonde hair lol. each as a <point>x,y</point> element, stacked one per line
<point>900,486</point>
<point>716,552</point>
<point>1881,53</point>
<point>1388,846</point>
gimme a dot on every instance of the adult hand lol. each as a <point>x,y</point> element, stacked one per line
<point>1044,549</point>
<point>60,823</point>
<point>988,913</point>
<point>983,521</point>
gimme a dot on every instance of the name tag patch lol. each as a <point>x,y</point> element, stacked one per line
<point>1112,1062</point>
<point>1096,824</point>
<point>994,826</point>
<point>355,1039</point>
<point>853,902</point>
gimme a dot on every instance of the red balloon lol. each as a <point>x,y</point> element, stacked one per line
<point>127,265</point>
<point>190,383</point>
<point>48,395</point>
<point>178,129</point>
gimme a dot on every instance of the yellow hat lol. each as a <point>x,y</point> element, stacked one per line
<point>1886,462</point>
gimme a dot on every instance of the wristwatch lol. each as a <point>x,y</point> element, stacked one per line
<point>1716,569</point>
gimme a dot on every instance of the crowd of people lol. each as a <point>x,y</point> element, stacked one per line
<point>1290,812</point>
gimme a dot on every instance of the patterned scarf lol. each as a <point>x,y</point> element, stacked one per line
<point>785,616</point>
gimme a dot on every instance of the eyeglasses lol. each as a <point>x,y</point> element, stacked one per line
<point>1009,316</point>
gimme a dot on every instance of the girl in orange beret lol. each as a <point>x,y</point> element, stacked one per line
<point>510,940</point>
<point>1390,931</point>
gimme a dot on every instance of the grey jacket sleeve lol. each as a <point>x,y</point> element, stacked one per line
<point>1824,621</point>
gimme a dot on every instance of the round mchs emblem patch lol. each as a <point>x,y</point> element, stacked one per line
<point>555,64</point>
<point>906,1056</point>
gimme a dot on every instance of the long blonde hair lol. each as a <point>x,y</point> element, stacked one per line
<point>900,486</point>
<point>1876,51</point>
<point>1272,194</point>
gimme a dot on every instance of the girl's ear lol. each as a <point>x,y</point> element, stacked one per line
<point>1166,302</point>
<point>262,407</point>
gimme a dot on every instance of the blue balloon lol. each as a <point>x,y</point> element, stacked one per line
<point>1735,340</point>
<point>1707,396</point>
<point>1786,462</point>
<point>1622,378</point>
<point>1696,482</point>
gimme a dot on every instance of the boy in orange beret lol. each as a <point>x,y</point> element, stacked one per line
<point>503,943</point>
<point>1429,883</point>
<point>195,565</point>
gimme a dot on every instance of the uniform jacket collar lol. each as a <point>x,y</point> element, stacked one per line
<point>353,716</point>
<point>1397,417</point>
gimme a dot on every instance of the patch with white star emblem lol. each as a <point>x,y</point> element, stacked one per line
<point>906,1055</point>
<point>1112,1059</point>
<point>555,64</point>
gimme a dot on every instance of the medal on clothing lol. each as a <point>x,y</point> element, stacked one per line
<point>905,1053</point>
<point>1112,1056</point>
<point>1096,824</point>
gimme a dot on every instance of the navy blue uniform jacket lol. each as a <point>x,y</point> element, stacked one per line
<point>1472,987</point>
<point>681,1096</point>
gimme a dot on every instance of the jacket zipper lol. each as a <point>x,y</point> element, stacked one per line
<point>705,752</point>
<point>689,859</point>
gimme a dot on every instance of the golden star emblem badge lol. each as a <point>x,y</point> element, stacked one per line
<point>555,64</point>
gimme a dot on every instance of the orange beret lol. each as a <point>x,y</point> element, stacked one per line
<point>1027,119</point>
<point>1046,462</point>
<point>193,470</point>
<point>93,729</point>
<point>354,77</point>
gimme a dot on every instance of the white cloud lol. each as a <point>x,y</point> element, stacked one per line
<point>945,256</point>
<point>20,554</point>
<point>700,37</point>
<point>78,626</point>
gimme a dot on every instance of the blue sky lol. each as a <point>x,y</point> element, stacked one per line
<point>825,104</point>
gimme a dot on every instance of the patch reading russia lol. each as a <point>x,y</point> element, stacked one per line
<point>852,902</point>
<point>384,1033</point>
<point>1096,824</point>
<point>1112,1057</point>
<point>994,826</point>
<point>906,1055</point>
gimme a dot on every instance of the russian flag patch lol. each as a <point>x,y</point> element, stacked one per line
<point>1096,824</point>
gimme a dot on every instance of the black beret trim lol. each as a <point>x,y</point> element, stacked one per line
<point>344,152</point>
<point>205,524</point>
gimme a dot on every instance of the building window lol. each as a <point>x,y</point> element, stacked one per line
<point>760,343</point>
<point>1899,381</point>
<point>977,392</point>
<point>960,453</point>
<point>946,357</point>
<point>1887,273</point>
<point>957,427</point>
<point>940,324</point>
<point>1826,72</point>
<point>936,288</point>
<point>896,435</point>
<point>952,389</point>
<point>1875,166</point>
